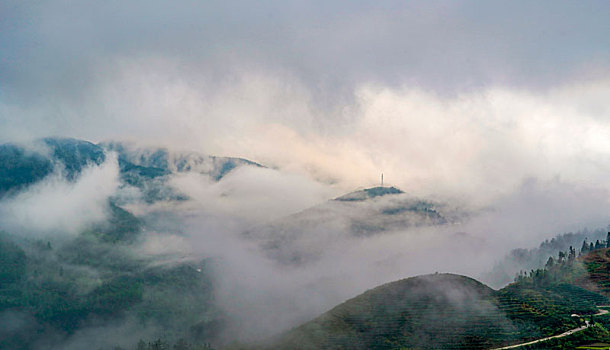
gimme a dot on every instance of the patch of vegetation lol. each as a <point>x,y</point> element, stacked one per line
<point>545,311</point>
<point>369,193</point>
<point>161,344</point>
<point>89,282</point>
<point>74,154</point>
<point>435,311</point>
<point>12,262</point>
<point>526,259</point>
<point>451,312</point>
<point>579,340</point>
<point>121,226</point>
<point>20,168</point>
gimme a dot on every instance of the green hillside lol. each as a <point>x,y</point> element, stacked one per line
<point>444,311</point>
<point>96,279</point>
<point>54,290</point>
<point>597,276</point>
<point>21,167</point>
<point>433,311</point>
<point>359,214</point>
<point>147,169</point>
<point>369,193</point>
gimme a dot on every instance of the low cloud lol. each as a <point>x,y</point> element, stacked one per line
<point>446,99</point>
<point>529,164</point>
<point>57,205</point>
<point>477,144</point>
<point>251,193</point>
<point>263,296</point>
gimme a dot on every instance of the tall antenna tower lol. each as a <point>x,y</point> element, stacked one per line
<point>381,179</point>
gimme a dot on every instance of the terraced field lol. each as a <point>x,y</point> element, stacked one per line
<point>445,311</point>
<point>435,309</point>
<point>597,264</point>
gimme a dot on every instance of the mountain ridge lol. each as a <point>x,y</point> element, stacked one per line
<point>144,168</point>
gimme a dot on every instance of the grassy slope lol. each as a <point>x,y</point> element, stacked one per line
<point>597,276</point>
<point>95,280</point>
<point>414,312</point>
<point>444,311</point>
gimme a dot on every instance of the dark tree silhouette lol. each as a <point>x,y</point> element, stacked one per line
<point>550,263</point>
<point>585,247</point>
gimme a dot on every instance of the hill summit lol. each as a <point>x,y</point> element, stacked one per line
<point>369,193</point>
<point>445,311</point>
<point>431,311</point>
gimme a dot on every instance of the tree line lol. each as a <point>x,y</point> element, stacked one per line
<point>556,268</point>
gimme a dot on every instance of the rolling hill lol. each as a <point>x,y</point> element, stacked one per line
<point>95,279</point>
<point>443,311</point>
<point>54,288</point>
<point>296,239</point>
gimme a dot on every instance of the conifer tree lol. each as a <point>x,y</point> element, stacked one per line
<point>571,254</point>
<point>550,263</point>
<point>585,247</point>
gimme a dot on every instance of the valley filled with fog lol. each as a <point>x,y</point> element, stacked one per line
<point>231,174</point>
<point>277,248</point>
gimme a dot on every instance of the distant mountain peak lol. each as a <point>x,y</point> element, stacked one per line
<point>368,193</point>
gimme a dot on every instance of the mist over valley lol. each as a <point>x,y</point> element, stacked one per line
<point>304,175</point>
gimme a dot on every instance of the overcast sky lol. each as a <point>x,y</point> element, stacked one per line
<point>424,90</point>
<point>329,45</point>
